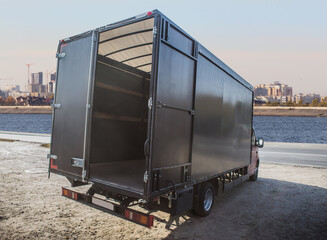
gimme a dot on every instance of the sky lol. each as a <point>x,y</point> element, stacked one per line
<point>263,41</point>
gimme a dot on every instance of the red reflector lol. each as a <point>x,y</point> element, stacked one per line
<point>128,214</point>
<point>150,221</point>
<point>64,192</point>
<point>140,218</point>
<point>149,13</point>
<point>52,165</point>
<point>70,194</point>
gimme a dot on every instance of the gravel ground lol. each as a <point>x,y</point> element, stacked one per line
<point>286,202</point>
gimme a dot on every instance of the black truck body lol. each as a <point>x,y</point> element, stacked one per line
<point>144,111</point>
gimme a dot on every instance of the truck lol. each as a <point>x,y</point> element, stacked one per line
<point>145,115</point>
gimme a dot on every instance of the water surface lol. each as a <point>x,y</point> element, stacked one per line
<point>271,128</point>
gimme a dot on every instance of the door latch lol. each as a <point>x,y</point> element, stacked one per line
<point>150,103</point>
<point>146,177</point>
<point>77,162</point>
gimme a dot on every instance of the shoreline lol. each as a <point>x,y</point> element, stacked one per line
<point>257,111</point>
<point>290,111</point>
<point>25,110</point>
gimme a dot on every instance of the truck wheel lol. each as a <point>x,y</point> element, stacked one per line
<point>206,200</point>
<point>254,177</point>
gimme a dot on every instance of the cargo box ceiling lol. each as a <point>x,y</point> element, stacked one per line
<point>130,44</point>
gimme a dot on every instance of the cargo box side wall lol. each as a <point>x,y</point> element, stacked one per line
<point>222,121</point>
<point>203,114</point>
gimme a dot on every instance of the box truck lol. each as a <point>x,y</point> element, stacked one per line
<point>146,115</point>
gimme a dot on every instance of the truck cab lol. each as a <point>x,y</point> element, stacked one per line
<point>253,169</point>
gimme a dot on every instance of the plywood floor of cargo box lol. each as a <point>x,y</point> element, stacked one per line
<point>127,175</point>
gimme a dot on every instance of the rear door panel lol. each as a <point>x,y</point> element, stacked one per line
<point>72,86</point>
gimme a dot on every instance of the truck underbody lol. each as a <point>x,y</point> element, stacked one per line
<point>175,203</point>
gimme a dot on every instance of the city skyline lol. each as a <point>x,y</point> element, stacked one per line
<point>49,80</point>
<point>263,41</point>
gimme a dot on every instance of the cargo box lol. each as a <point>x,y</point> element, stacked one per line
<point>142,108</point>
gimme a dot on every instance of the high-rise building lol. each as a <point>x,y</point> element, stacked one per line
<point>37,78</point>
<point>52,83</point>
<point>36,86</point>
<point>53,77</point>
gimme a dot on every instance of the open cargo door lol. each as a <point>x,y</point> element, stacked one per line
<point>71,107</point>
<point>173,109</point>
<point>119,109</point>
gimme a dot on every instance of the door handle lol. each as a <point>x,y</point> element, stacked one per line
<point>146,148</point>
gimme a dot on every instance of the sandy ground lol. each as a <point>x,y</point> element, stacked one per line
<point>286,202</point>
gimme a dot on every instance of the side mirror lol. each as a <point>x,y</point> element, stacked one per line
<point>259,142</point>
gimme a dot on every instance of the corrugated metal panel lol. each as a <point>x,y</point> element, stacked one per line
<point>222,122</point>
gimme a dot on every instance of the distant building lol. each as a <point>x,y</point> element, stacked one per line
<point>14,94</point>
<point>306,98</point>
<point>275,92</point>
<point>36,87</point>
<point>260,100</point>
<point>37,78</point>
<point>51,87</point>
<point>3,94</point>
<point>287,91</point>
<point>261,90</point>
<point>53,77</point>
<point>13,91</point>
<point>52,83</point>
<point>285,99</point>
<point>12,88</point>
<point>274,99</point>
<point>32,88</point>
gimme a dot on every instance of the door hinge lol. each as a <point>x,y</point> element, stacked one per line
<point>83,175</point>
<point>56,105</point>
<point>77,162</point>
<point>150,103</point>
<point>146,177</point>
<point>94,37</point>
<point>60,55</point>
<point>51,156</point>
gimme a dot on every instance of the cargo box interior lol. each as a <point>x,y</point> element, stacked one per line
<point>120,112</point>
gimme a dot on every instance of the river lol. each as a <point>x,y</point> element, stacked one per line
<point>271,129</point>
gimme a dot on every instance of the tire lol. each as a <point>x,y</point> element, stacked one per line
<point>206,200</point>
<point>254,177</point>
